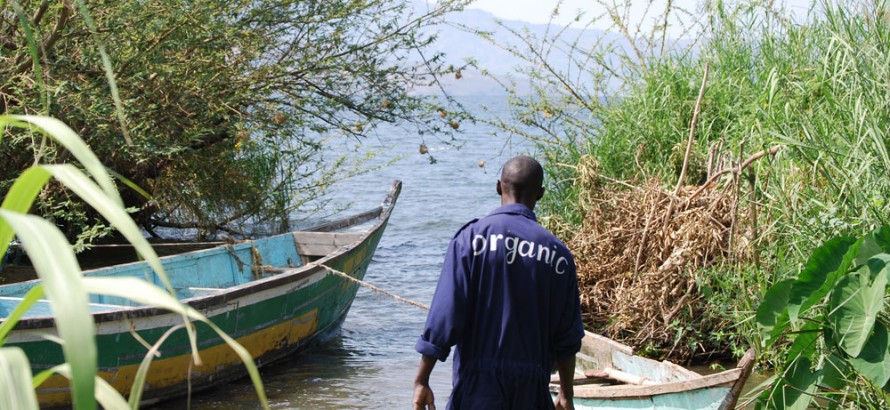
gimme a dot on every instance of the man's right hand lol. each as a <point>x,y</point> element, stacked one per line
<point>562,402</point>
<point>423,397</point>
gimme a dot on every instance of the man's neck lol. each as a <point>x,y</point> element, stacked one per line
<point>509,201</point>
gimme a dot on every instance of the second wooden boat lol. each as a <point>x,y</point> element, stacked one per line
<point>610,376</point>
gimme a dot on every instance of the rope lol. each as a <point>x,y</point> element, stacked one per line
<point>234,256</point>
<point>375,288</point>
<point>184,244</point>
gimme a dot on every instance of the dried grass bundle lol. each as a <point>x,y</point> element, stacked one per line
<point>638,251</point>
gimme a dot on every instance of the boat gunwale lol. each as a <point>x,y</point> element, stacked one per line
<point>723,379</point>
<point>733,379</point>
<point>287,276</point>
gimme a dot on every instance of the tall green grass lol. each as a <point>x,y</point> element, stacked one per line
<point>818,85</point>
<point>63,284</point>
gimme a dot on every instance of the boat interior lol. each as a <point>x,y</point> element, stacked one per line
<point>204,272</point>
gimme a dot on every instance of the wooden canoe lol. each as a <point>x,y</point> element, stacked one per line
<point>610,376</point>
<point>274,295</point>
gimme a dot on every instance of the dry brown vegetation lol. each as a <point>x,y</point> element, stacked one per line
<point>641,248</point>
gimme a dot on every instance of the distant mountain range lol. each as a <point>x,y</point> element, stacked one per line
<point>460,46</point>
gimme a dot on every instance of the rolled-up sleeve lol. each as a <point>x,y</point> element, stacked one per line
<point>447,317</point>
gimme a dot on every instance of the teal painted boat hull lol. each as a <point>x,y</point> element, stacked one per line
<point>610,376</point>
<point>275,295</point>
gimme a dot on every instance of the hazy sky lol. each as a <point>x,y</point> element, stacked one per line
<point>540,11</point>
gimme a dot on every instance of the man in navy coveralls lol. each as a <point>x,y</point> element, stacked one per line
<point>507,297</point>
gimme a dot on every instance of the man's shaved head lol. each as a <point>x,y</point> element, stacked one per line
<point>522,180</point>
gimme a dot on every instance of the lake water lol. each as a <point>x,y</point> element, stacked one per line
<point>372,364</point>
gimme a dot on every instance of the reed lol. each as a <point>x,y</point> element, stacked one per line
<point>813,93</point>
<point>62,283</point>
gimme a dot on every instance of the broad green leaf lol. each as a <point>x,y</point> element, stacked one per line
<point>59,271</point>
<point>139,291</point>
<point>87,190</point>
<point>33,295</point>
<point>15,380</point>
<point>881,236</point>
<point>834,372</point>
<point>19,198</point>
<point>855,302</point>
<point>772,314</point>
<point>820,272</point>
<point>795,390</point>
<point>874,361</point>
<point>90,192</point>
<point>65,136</point>
<point>805,341</point>
<point>869,247</point>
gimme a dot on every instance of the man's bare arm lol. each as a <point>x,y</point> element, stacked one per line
<point>566,369</point>
<point>423,394</point>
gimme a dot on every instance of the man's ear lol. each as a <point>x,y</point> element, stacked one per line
<point>540,194</point>
<point>498,188</point>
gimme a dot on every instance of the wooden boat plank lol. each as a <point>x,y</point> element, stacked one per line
<point>687,374</point>
<point>696,399</point>
<point>277,251</point>
<point>322,243</point>
<point>745,366</point>
<point>593,342</point>
<point>654,370</point>
<point>345,222</point>
<point>610,373</point>
<point>596,351</point>
<point>707,399</point>
<point>724,379</point>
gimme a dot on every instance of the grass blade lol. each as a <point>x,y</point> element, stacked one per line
<point>65,136</point>
<point>32,48</point>
<point>59,271</point>
<point>109,72</point>
<point>106,395</point>
<point>87,190</point>
<point>146,293</point>
<point>20,198</point>
<point>36,293</point>
<point>15,380</point>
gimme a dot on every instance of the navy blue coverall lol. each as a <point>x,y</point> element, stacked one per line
<point>507,298</point>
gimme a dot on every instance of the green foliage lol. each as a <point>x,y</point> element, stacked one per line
<point>838,336</point>
<point>218,108</point>
<point>64,286</point>
<point>15,375</point>
<point>816,86</point>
